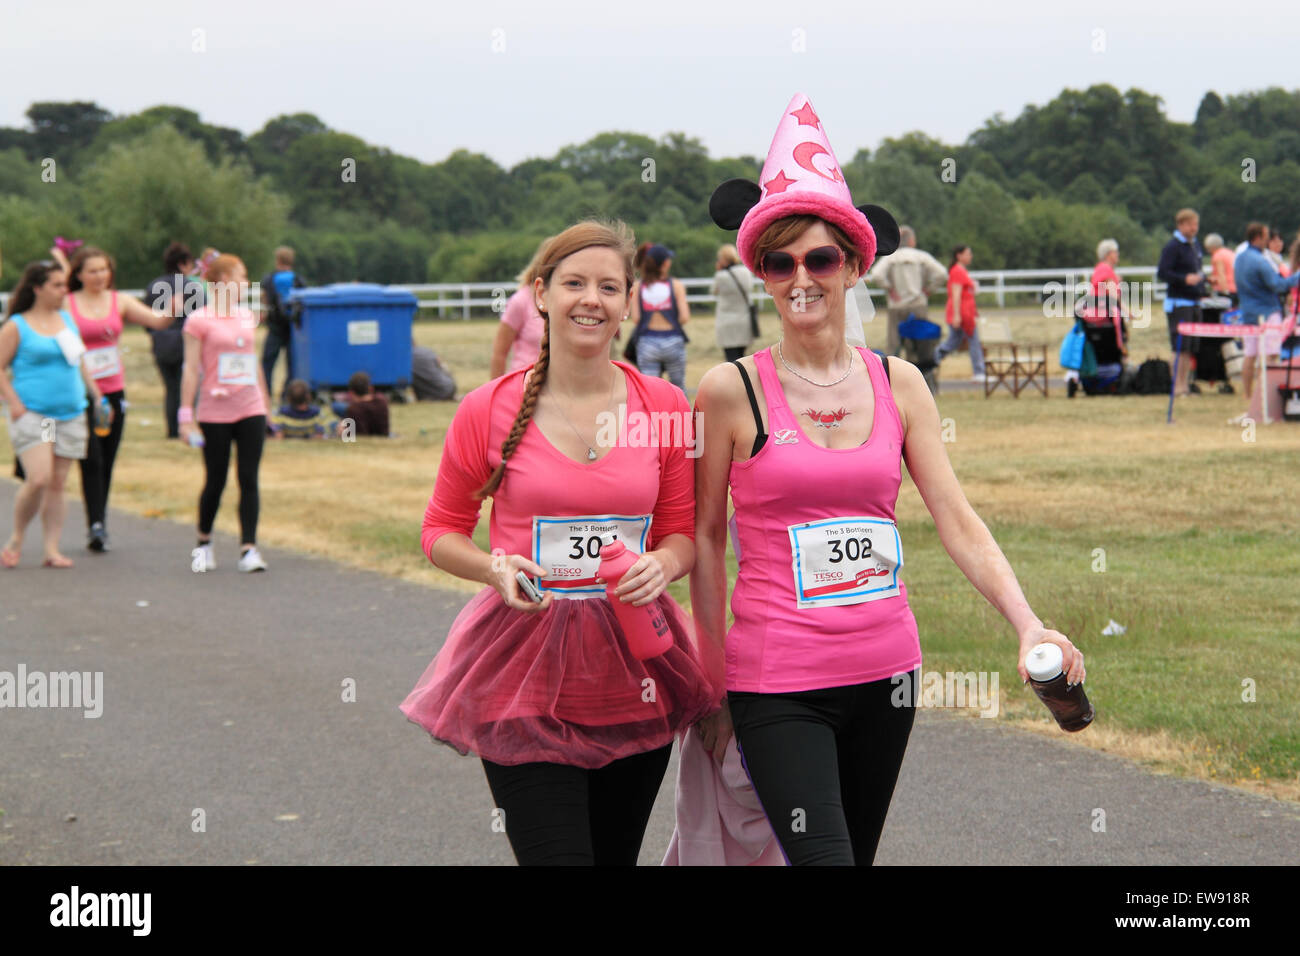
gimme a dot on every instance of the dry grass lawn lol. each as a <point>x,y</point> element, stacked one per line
<point>1185,534</point>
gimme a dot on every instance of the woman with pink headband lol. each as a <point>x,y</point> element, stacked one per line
<point>809,437</point>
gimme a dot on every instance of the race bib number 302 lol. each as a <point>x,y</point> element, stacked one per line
<point>569,550</point>
<point>845,561</point>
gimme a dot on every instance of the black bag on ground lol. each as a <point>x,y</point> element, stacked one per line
<point>1153,378</point>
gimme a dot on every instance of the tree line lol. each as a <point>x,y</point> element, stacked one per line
<point>1039,190</point>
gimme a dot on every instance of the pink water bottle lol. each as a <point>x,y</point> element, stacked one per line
<point>645,628</point>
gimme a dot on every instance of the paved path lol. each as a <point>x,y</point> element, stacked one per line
<point>224,693</point>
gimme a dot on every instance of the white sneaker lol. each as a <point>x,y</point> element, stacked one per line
<point>202,559</point>
<point>979,378</point>
<point>250,560</point>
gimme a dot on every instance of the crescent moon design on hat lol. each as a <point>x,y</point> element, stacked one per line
<point>801,177</point>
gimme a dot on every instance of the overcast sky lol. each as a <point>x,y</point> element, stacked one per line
<point>516,80</point>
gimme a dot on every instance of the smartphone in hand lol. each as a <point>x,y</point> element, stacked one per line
<point>526,585</point>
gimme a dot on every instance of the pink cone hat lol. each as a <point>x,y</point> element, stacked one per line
<point>801,176</point>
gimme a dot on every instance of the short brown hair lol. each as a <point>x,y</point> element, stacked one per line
<point>1184,215</point>
<point>786,230</point>
<point>298,393</point>
<point>359,383</point>
<point>176,254</point>
<point>1255,230</point>
<point>284,256</point>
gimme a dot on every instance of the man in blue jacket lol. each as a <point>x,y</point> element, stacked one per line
<point>1183,273</point>
<point>1258,286</point>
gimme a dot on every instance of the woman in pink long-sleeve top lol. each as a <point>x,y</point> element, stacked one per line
<point>573,731</point>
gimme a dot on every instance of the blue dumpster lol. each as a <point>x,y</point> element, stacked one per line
<point>353,327</point>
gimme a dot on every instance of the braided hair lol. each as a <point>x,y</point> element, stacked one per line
<point>612,235</point>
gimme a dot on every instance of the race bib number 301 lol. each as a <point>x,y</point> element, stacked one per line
<point>569,550</point>
<point>845,561</point>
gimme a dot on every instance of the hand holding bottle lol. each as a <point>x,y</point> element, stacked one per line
<point>644,581</point>
<point>1072,657</point>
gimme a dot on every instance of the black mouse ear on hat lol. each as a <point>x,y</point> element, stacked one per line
<point>732,200</point>
<point>883,224</point>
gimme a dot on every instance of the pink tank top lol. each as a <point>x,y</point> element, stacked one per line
<point>819,601</point>
<point>103,350</point>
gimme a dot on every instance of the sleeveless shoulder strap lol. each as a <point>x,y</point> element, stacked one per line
<point>72,305</point>
<point>760,436</point>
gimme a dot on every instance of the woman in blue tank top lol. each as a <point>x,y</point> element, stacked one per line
<point>44,404</point>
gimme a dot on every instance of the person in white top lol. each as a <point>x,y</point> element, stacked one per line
<point>909,276</point>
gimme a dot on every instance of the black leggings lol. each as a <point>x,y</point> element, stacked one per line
<point>557,815</point>
<point>171,377</point>
<point>731,354</point>
<point>97,466</point>
<point>248,435</point>
<point>824,763</point>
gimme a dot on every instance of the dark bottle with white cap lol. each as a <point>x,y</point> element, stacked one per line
<point>1068,704</point>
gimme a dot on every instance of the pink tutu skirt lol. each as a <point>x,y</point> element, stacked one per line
<point>559,686</point>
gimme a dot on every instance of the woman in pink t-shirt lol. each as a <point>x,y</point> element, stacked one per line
<point>100,313</point>
<point>809,437</point>
<point>232,409</point>
<point>574,732</point>
<point>519,335</point>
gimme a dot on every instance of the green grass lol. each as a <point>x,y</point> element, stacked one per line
<point>1198,522</point>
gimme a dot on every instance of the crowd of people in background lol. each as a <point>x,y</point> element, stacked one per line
<point>62,343</point>
<point>1251,283</point>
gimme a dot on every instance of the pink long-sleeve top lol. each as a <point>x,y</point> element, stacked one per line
<point>635,477</point>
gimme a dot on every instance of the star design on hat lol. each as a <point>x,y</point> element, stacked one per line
<point>806,116</point>
<point>778,183</point>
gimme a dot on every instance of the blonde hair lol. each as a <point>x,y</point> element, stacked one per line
<point>728,255</point>
<point>613,235</point>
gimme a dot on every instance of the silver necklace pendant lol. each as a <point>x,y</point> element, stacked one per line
<point>780,351</point>
<point>591,454</point>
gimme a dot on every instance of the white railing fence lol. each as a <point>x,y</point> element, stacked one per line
<point>445,300</point>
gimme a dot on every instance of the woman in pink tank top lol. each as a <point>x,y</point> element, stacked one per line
<point>809,437</point>
<point>100,313</point>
